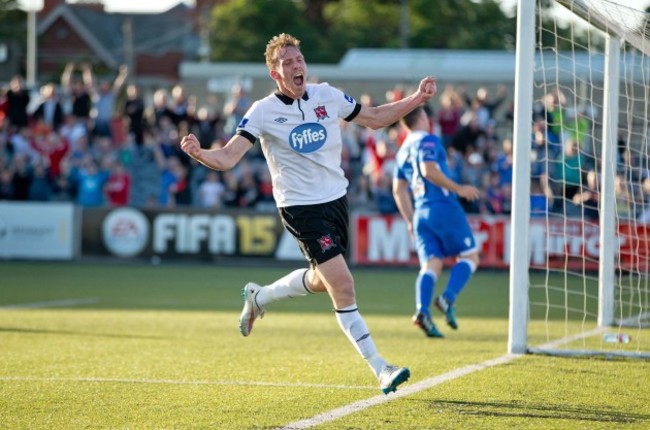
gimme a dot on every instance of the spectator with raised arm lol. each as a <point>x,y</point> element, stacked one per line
<point>78,91</point>
<point>235,109</point>
<point>104,95</point>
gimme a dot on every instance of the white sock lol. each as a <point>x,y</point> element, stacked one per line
<point>290,285</point>
<point>355,329</point>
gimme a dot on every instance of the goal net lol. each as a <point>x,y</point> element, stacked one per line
<point>581,189</point>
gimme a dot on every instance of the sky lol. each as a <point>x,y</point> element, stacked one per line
<point>162,5</point>
<point>141,5</point>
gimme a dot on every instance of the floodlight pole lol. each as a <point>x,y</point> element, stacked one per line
<point>31,48</point>
<point>32,7</point>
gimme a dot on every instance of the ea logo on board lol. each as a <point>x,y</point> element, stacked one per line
<point>125,232</point>
<point>307,138</point>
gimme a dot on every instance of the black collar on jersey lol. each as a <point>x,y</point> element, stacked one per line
<point>288,100</point>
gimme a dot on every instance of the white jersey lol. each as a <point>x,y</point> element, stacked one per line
<point>301,140</point>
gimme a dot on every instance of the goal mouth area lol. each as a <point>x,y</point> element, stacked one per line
<point>589,353</point>
<point>638,321</point>
<point>581,194</point>
<point>573,340</point>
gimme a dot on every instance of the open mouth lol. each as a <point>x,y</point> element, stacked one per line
<point>298,79</point>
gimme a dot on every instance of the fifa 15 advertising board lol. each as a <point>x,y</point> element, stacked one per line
<point>185,233</point>
<point>376,240</point>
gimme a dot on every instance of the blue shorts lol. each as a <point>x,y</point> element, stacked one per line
<point>442,230</point>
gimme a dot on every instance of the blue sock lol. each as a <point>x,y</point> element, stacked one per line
<point>424,286</point>
<point>460,274</point>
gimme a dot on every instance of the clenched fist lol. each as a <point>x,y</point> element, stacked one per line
<point>428,87</point>
<point>190,145</point>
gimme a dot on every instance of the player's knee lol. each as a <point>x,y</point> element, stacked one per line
<point>434,265</point>
<point>473,260</point>
<point>313,282</point>
<point>344,284</point>
<point>476,258</point>
<point>339,284</point>
<point>343,294</point>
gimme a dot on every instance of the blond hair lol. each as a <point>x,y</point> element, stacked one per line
<point>276,44</point>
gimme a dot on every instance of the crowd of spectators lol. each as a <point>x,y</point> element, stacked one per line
<point>104,143</point>
<point>566,167</point>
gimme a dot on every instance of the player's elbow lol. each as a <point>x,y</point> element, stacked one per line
<point>223,165</point>
<point>400,188</point>
<point>212,160</point>
<point>377,122</point>
<point>376,125</point>
<point>372,118</point>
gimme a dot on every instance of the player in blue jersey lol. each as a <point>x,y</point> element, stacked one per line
<point>298,127</point>
<point>428,202</point>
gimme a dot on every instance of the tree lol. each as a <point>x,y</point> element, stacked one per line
<point>7,5</point>
<point>13,34</point>
<point>567,36</point>
<point>460,24</point>
<point>363,24</point>
<point>240,29</point>
<point>12,21</point>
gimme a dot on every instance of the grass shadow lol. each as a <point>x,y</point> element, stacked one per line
<point>74,333</point>
<point>516,409</point>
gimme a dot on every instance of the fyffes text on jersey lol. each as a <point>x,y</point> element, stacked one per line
<point>307,138</point>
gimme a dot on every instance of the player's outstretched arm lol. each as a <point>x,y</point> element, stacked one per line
<point>384,115</point>
<point>433,173</point>
<point>217,159</point>
<point>402,197</point>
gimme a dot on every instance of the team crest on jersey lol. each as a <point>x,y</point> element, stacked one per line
<point>321,113</point>
<point>326,243</point>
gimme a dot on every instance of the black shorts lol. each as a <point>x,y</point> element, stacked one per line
<point>321,230</point>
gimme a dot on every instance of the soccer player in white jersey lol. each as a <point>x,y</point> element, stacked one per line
<point>298,128</point>
<point>427,200</point>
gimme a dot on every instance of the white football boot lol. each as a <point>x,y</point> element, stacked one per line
<point>251,309</point>
<point>392,376</point>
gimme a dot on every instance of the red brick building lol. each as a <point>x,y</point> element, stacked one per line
<point>152,45</point>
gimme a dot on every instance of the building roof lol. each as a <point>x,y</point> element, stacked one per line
<point>412,64</point>
<point>459,65</point>
<point>168,31</point>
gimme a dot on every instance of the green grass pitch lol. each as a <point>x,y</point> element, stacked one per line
<point>128,346</point>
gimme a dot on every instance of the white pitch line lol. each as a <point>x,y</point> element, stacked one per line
<point>572,338</point>
<point>338,412</point>
<point>186,382</point>
<point>406,391</point>
<point>418,386</point>
<point>52,304</point>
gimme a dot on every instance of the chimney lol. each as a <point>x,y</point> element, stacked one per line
<point>49,6</point>
<point>95,5</point>
<point>205,6</point>
<point>202,12</point>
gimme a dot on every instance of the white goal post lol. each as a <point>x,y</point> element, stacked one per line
<point>581,132</point>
